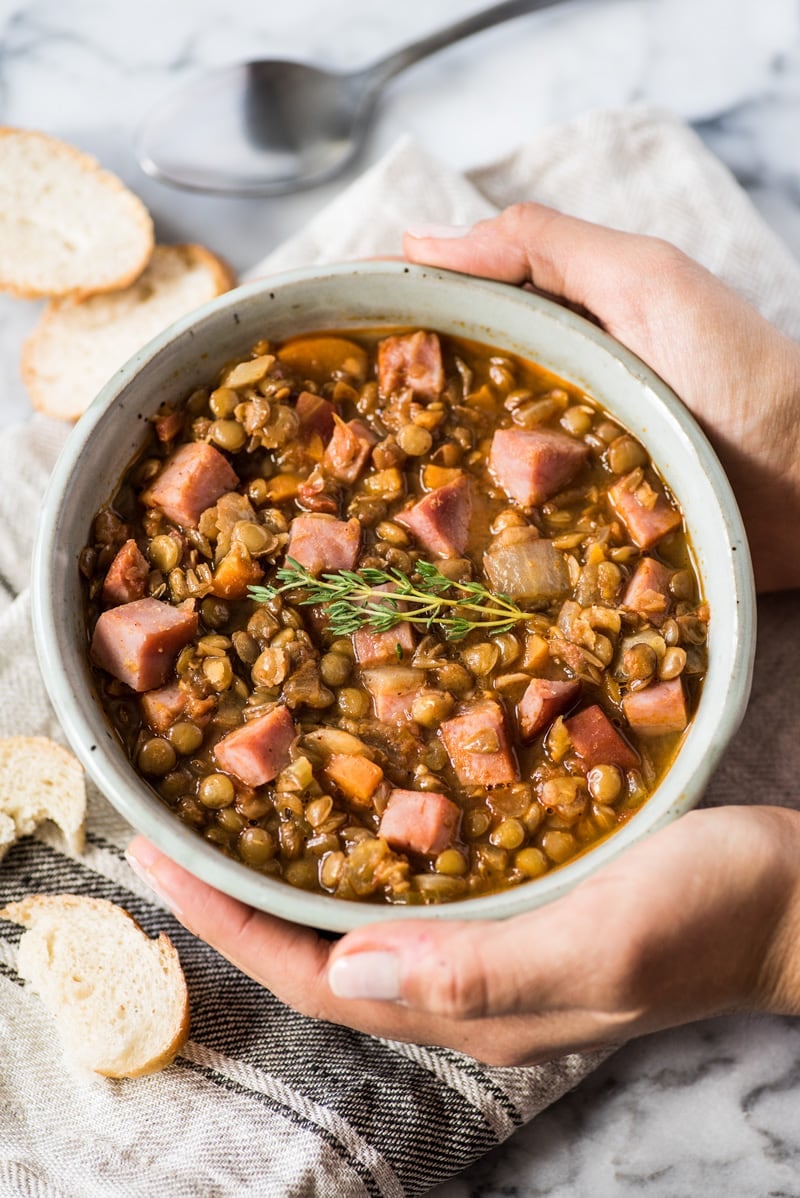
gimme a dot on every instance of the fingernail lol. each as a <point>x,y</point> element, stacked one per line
<point>438,232</point>
<point>366,975</point>
<point>139,866</point>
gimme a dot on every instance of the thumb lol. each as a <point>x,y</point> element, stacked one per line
<point>456,970</point>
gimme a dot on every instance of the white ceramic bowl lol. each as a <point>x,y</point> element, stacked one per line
<point>373,295</point>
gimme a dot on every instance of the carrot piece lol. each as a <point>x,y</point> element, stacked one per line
<point>357,777</point>
<point>235,573</point>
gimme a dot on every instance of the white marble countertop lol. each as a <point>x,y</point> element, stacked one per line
<point>706,1108</point>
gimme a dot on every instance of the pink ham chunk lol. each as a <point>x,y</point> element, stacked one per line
<point>597,742</point>
<point>194,478</point>
<point>648,591</point>
<point>138,642</point>
<point>258,751</point>
<point>315,415</point>
<point>440,521</point>
<point>384,648</point>
<point>542,702</point>
<point>162,707</point>
<point>644,510</point>
<point>532,466</point>
<point>348,449</point>
<point>478,746</point>
<point>324,545</point>
<point>126,579</point>
<point>416,822</point>
<point>657,710</point>
<point>412,362</point>
<point>393,690</point>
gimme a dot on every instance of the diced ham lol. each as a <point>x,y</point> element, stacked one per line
<point>348,449</point>
<point>356,777</point>
<point>597,742</point>
<point>168,425</point>
<point>393,690</point>
<point>441,520</point>
<point>162,707</point>
<point>138,642</point>
<point>193,479</point>
<point>648,591</point>
<point>658,709</point>
<point>315,415</point>
<point>412,362</point>
<point>324,545</point>
<point>644,510</point>
<point>521,564</point>
<point>542,702</point>
<point>384,648</point>
<point>126,579</point>
<point>533,465</point>
<point>318,493</point>
<point>417,822</point>
<point>258,751</point>
<point>478,746</point>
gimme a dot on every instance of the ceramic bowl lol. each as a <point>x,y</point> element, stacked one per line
<point>374,295</point>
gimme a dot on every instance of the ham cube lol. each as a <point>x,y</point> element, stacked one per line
<point>393,690</point>
<point>597,742</point>
<point>315,415</point>
<point>138,642</point>
<point>356,777</point>
<point>258,751</point>
<point>441,521</point>
<point>533,465</point>
<point>384,648</point>
<point>324,545</point>
<point>417,822</point>
<point>194,478</point>
<point>521,564</point>
<point>542,702</point>
<point>478,746</point>
<point>644,510</point>
<point>648,591</point>
<point>162,707</point>
<point>126,579</point>
<point>412,362</point>
<point>657,710</point>
<point>348,449</point>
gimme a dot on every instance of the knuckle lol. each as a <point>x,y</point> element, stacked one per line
<point>456,986</point>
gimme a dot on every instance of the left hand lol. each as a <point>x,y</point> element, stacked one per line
<point>700,919</point>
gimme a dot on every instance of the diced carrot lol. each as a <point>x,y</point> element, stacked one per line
<point>283,487</point>
<point>317,358</point>
<point>235,573</point>
<point>356,777</point>
<point>438,476</point>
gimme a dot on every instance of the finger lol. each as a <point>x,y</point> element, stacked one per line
<point>288,959</point>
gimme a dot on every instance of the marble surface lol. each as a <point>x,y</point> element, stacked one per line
<point>712,1107</point>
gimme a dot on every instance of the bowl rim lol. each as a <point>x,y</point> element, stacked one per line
<point>134,800</point>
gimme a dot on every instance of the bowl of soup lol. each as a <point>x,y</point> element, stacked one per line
<point>372,591</point>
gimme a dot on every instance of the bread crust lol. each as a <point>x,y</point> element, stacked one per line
<point>220,274</point>
<point>61,760</point>
<point>141,222</point>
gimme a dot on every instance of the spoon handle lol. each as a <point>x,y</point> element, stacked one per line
<point>405,57</point>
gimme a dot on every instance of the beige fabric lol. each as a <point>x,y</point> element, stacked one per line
<point>634,169</point>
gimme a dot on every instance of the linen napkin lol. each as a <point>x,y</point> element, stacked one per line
<point>263,1101</point>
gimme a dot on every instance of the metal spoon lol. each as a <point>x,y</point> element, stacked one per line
<point>269,127</point>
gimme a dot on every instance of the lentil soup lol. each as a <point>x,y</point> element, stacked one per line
<point>395,616</point>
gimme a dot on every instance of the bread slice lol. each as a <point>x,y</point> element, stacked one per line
<point>119,999</point>
<point>39,780</point>
<point>77,346</point>
<point>66,225</point>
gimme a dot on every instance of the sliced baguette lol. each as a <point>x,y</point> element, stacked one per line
<point>39,780</point>
<point>77,346</point>
<point>66,225</point>
<point>119,999</point>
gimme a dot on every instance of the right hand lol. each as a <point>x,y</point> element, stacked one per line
<point>737,373</point>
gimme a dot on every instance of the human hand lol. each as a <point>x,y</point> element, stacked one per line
<point>700,919</point>
<point>735,371</point>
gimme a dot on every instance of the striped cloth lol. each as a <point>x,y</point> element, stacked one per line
<point>263,1101</point>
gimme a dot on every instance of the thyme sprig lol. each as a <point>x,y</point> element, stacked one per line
<point>355,599</point>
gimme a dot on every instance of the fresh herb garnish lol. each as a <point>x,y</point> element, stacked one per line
<point>355,599</point>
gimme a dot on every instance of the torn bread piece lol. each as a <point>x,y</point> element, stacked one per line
<point>77,346</point>
<point>39,780</point>
<point>67,227</point>
<point>119,999</point>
